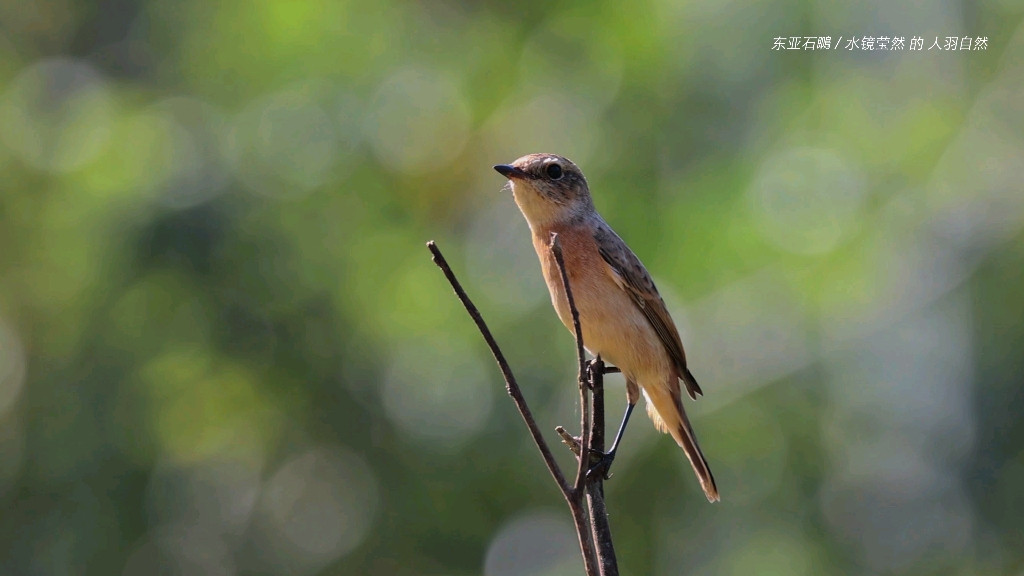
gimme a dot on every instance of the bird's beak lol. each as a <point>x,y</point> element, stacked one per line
<point>510,172</point>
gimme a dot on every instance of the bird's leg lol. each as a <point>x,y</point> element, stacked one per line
<point>605,460</point>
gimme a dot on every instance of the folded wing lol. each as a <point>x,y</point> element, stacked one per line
<point>630,275</point>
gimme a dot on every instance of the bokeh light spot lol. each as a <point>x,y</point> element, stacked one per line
<point>201,406</point>
<point>316,508</point>
<point>285,143</point>
<point>57,115</point>
<point>536,543</point>
<point>438,391</point>
<point>199,167</point>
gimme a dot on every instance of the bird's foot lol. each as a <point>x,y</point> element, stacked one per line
<point>598,365</point>
<point>600,463</point>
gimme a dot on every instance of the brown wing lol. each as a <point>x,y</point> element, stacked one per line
<point>632,277</point>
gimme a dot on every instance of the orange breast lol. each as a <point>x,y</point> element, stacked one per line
<point>611,323</point>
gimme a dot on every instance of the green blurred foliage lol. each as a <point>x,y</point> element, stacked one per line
<point>224,349</point>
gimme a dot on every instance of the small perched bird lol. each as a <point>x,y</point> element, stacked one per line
<point>622,317</point>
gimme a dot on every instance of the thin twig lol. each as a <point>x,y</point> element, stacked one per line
<point>584,460</point>
<point>569,440</point>
<point>510,381</point>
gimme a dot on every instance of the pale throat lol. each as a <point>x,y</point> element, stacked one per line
<point>541,213</point>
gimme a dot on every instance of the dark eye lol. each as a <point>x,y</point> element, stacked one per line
<point>554,171</point>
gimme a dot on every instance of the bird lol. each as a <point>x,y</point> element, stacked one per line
<point>623,318</point>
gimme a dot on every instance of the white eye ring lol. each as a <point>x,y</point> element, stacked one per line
<point>554,171</point>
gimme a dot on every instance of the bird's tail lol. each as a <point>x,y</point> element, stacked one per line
<point>665,407</point>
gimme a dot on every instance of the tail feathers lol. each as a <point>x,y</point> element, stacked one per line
<point>684,436</point>
<point>666,411</point>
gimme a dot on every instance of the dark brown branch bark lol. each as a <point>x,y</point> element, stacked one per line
<point>593,527</point>
<point>602,531</point>
<point>602,534</point>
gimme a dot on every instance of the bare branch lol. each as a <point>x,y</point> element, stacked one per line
<point>510,381</point>
<point>584,459</point>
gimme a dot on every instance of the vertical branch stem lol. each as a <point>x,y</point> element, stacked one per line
<point>584,459</point>
<point>602,532</point>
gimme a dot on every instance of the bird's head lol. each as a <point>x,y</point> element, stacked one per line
<point>548,188</point>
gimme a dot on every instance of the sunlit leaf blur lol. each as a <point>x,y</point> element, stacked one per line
<point>224,349</point>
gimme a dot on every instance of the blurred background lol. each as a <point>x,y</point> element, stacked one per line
<point>224,349</point>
